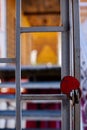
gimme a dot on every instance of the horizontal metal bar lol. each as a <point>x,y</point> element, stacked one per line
<point>46,68</point>
<point>33,85</point>
<point>7,97</point>
<point>43,13</point>
<point>33,114</point>
<point>11,98</point>
<point>44,29</point>
<point>7,85</point>
<point>7,60</point>
<point>53,97</point>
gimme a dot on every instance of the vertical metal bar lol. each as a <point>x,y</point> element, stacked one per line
<point>71,56</point>
<point>76,38</point>
<point>65,117</point>
<point>65,70</point>
<point>65,38</point>
<point>76,44</point>
<point>18,66</point>
<point>71,39</point>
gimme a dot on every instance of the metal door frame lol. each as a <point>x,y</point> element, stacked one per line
<point>65,30</point>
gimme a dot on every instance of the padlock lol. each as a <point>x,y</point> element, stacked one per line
<point>71,84</point>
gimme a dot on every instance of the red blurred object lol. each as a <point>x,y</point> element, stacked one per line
<point>68,84</point>
<point>12,90</point>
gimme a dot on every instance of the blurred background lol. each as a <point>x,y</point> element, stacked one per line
<point>37,49</point>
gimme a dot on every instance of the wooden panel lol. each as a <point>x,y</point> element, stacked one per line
<point>10,10</point>
<point>41,5</point>
<point>42,12</point>
<point>44,20</point>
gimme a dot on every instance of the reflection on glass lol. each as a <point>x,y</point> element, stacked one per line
<point>41,48</point>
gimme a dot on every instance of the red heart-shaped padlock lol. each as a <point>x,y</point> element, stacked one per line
<point>69,83</point>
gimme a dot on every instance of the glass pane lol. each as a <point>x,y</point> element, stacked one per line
<point>10,28</point>
<point>41,49</point>
<point>40,13</point>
